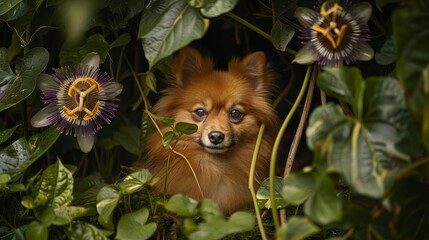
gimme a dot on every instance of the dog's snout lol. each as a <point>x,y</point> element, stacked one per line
<point>216,137</point>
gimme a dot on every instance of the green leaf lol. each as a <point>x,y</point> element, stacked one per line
<point>66,214</point>
<point>214,8</point>
<point>129,138</point>
<point>55,187</point>
<point>167,138</point>
<point>4,180</point>
<point>346,84</point>
<point>387,53</point>
<point>84,231</point>
<point>17,157</point>
<point>168,25</point>
<point>7,5</point>
<point>281,34</point>
<point>297,228</point>
<point>185,128</point>
<point>134,226</point>
<point>15,88</point>
<point>217,228</point>
<point>107,200</point>
<point>135,181</point>
<point>165,120</point>
<point>150,81</point>
<point>298,187</point>
<point>35,230</point>
<point>122,40</point>
<point>323,205</point>
<point>413,58</point>
<point>263,194</point>
<point>182,205</point>
<point>345,147</point>
<point>6,134</point>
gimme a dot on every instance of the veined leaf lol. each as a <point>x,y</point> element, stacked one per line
<point>6,5</point>
<point>364,150</point>
<point>214,8</point>
<point>135,181</point>
<point>134,226</point>
<point>18,156</point>
<point>55,187</point>
<point>168,25</point>
<point>84,231</point>
<point>16,87</point>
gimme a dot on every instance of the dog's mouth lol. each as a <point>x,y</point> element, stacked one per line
<point>215,149</point>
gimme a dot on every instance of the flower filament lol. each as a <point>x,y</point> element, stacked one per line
<point>334,34</point>
<point>80,96</point>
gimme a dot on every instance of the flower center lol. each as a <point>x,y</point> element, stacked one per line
<point>332,31</point>
<point>83,91</point>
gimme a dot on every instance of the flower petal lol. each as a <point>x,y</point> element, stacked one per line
<point>45,82</point>
<point>362,10</point>
<point>44,117</point>
<point>112,89</point>
<point>365,53</point>
<point>305,16</point>
<point>305,56</point>
<point>91,59</point>
<point>85,142</point>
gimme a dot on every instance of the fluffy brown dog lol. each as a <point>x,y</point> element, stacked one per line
<point>228,107</point>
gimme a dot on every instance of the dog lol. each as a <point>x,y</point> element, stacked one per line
<point>228,107</point>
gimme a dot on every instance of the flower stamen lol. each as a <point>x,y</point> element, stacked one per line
<point>83,93</point>
<point>334,34</point>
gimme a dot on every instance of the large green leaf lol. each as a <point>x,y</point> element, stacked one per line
<point>297,187</point>
<point>364,150</point>
<point>134,226</point>
<point>16,87</point>
<point>17,157</point>
<point>168,25</point>
<point>35,230</point>
<point>297,228</point>
<point>55,187</point>
<point>217,228</point>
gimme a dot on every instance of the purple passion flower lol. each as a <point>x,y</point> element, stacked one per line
<point>75,98</point>
<point>337,34</point>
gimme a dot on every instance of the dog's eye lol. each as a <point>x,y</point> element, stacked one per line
<point>199,114</point>
<point>235,115</point>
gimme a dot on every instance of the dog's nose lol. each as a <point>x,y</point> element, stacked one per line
<point>216,137</point>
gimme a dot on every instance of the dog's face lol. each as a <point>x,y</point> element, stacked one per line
<point>227,106</point>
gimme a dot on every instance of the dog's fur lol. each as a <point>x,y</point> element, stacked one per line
<point>228,107</point>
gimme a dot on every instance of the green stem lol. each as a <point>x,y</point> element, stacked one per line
<point>277,145</point>
<point>256,29</point>
<point>252,176</point>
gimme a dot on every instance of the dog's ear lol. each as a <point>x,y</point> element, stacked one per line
<point>189,62</point>
<point>254,67</point>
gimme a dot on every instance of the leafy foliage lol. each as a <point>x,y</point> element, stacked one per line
<point>368,139</point>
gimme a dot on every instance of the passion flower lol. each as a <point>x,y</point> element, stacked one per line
<point>76,97</point>
<point>336,34</point>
